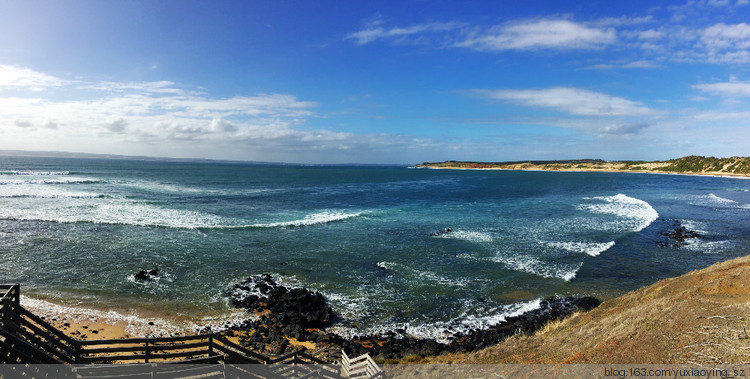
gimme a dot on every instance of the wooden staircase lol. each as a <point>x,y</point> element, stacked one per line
<point>27,339</point>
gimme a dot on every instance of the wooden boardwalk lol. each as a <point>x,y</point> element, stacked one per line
<point>27,339</point>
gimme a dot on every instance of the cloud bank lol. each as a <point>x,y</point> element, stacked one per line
<point>160,118</point>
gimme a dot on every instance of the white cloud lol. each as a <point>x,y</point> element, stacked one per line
<point>540,34</point>
<point>732,88</point>
<point>626,65</point>
<point>650,34</point>
<point>375,31</point>
<point>156,118</point>
<point>727,43</point>
<point>575,101</point>
<point>146,111</point>
<point>719,116</point>
<point>625,21</point>
<point>723,36</point>
<point>164,87</point>
<point>24,78</point>
<point>222,126</point>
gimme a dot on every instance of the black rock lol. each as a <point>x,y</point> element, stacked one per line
<point>142,275</point>
<point>147,275</point>
<point>678,236</point>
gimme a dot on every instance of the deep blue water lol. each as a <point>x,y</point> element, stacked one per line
<point>363,236</point>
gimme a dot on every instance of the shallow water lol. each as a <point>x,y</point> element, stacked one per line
<point>371,239</point>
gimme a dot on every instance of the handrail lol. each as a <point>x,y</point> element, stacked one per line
<point>11,291</point>
<point>225,343</point>
<point>40,341</point>
<point>360,367</point>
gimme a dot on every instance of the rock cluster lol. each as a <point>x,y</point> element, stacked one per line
<point>678,236</point>
<point>149,275</point>
<point>284,312</point>
<point>303,314</point>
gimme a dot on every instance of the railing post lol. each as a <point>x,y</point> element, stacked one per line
<point>77,356</point>
<point>210,345</point>
<point>17,286</point>
<point>148,351</point>
<point>4,312</point>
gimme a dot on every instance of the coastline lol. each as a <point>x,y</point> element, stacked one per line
<point>658,323</point>
<point>122,322</point>
<point>656,172</point>
<point>289,319</point>
<point>689,165</point>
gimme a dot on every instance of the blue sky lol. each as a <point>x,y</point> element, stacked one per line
<point>377,82</point>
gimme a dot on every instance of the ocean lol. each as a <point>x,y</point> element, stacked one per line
<point>430,251</point>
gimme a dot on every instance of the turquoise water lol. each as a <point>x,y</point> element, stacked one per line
<point>363,236</point>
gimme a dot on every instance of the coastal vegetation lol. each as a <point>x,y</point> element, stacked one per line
<point>692,164</point>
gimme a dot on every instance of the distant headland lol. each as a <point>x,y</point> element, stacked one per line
<point>693,164</point>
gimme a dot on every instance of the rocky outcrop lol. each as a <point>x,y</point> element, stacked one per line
<point>302,314</point>
<point>149,275</point>
<point>282,312</point>
<point>677,236</point>
<point>397,344</point>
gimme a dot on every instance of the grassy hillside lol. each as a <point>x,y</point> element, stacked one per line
<point>693,163</point>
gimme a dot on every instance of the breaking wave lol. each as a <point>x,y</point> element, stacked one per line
<point>468,235</point>
<point>533,265</point>
<point>713,200</point>
<point>115,212</point>
<point>39,173</point>
<point>441,331</point>
<point>311,219</point>
<point>591,248</point>
<point>135,325</point>
<point>635,214</point>
<point>48,180</point>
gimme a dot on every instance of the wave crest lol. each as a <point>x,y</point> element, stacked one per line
<point>37,173</point>
<point>311,219</point>
<point>636,213</point>
<point>591,248</point>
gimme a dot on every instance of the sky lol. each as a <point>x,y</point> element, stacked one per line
<point>391,82</point>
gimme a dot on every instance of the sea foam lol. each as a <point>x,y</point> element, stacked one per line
<point>442,331</point>
<point>32,172</point>
<point>111,211</point>
<point>48,180</point>
<point>591,248</point>
<point>719,202</point>
<point>45,191</point>
<point>533,265</point>
<point>133,324</point>
<point>468,235</point>
<point>634,214</point>
<point>311,219</point>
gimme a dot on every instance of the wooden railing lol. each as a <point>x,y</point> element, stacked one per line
<point>11,292</point>
<point>360,367</point>
<point>27,338</point>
